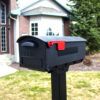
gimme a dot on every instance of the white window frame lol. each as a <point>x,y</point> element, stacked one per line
<point>34,27</point>
<point>3,25</point>
<point>4,40</point>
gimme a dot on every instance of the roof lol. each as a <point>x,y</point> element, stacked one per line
<point>42,10</point>
<point>63,7</point>
<point>16,12</point>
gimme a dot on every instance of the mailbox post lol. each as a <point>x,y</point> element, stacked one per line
<point>58,81</point>
<point>54,55</point>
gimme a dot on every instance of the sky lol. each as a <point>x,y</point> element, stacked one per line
<point>24,3</point>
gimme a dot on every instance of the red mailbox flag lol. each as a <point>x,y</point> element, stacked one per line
<point>60,44</point>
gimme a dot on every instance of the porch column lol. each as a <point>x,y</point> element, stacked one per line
<point>16,36</point>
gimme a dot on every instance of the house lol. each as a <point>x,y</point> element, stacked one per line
<point>6,29</point>
<point>41,18</point>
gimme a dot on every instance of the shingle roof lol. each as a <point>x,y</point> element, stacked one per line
<point>63,7</point>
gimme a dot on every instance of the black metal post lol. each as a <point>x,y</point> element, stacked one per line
<point>58,81</point>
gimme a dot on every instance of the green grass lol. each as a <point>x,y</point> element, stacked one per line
<point>33,85</point>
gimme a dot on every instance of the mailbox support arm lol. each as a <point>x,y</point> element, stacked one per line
<point>58,81</point>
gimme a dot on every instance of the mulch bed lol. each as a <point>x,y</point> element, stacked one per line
<point>94,66</point>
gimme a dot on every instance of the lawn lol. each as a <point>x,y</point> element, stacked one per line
<point>33,85</point>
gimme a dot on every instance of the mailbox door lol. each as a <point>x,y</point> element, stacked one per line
<point>32,53</point>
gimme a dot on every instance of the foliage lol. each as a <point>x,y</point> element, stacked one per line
<point>87,22</point>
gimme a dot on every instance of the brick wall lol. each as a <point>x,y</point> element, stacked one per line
<point>13,4</point>
<point>66,27</point>
<point>23,25</point>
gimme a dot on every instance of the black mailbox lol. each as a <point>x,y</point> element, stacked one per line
<point>54,55</point>
<point>44,53</point>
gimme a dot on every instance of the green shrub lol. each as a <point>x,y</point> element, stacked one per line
<point>86,16</point>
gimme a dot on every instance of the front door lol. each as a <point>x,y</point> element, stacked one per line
<point>3,24</point>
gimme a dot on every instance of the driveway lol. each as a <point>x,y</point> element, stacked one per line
<point>6,70</point>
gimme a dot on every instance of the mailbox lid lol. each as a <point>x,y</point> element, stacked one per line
<point>53,38</point>
<point>29,38</point>
<point>63,38</point>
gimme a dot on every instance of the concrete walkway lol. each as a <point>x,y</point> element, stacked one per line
<point>6,70</point>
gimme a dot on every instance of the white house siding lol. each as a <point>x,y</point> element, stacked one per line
<point>46,22</point>
<point>35,19</point>
<point>45,3</point>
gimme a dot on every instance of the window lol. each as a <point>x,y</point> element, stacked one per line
<point>50,32</point>
<point>3,39</point>
<point>34,28</point>
<point>3,13</point>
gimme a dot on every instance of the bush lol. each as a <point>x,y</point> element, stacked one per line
<point>86,17</point>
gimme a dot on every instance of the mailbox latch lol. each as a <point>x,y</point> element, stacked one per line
<point>60,44</point>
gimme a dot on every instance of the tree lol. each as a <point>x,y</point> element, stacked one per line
<point>87,22</point>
